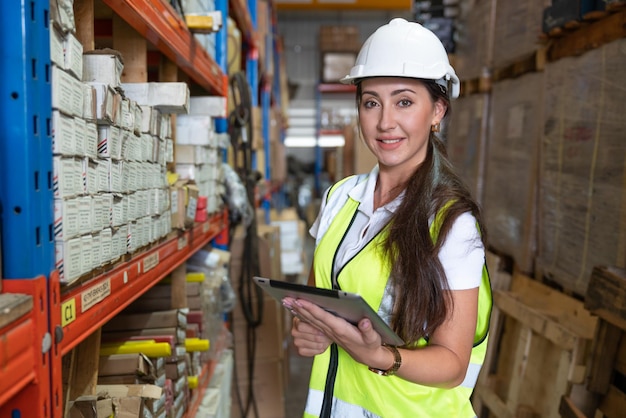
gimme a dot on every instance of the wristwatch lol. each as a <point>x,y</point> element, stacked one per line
<point>397,361</point>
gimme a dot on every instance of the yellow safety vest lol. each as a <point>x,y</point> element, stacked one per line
<point>342,387</point>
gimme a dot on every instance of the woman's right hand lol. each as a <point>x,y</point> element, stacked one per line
<point>308,340</point>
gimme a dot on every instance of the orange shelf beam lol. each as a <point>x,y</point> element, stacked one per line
<point>336,88</point>
<point>86,308</point>
<point>159,23</point>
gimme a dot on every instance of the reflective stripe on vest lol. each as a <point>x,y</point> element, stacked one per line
<point>357,391</point>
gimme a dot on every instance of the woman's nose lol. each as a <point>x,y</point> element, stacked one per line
<point>387,119</point>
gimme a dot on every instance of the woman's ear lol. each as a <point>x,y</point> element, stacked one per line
<point>440,111</point>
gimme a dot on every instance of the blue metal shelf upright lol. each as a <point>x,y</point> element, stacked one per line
<point>26,205</point>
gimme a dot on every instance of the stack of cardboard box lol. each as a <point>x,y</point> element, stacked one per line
<point>170,368</point>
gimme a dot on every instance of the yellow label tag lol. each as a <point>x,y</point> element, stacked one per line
<point>68,312</point>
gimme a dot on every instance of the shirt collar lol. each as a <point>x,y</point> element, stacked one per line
<point>363,193</point>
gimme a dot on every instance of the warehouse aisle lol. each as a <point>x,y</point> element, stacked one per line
<point>299,367</point>
<point>298,384</point>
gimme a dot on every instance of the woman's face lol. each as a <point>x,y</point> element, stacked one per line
<point>396,115</point>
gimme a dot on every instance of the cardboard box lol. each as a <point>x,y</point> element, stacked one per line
<point>168,97</point>
<point>195,130</point>
<point>214,106</point>
<point>339,38</point>
<point>177,333</point>
<point>160,319</point>
<point>103,66</point>
<point>109,142</point>
<point>122,364</point>
<point>67,93</point>
<point>336,65</point>
<point>90,406</point>
<point>73,55</point>
<point>105,105</point>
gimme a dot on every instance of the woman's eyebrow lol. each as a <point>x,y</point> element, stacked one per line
<point>393,93</point>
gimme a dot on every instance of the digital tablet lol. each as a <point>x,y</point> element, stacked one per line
<point>349,306</point>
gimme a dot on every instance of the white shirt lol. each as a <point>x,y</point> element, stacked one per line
<point>462,254</point>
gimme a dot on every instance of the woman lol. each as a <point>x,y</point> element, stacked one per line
<point>408,238</point>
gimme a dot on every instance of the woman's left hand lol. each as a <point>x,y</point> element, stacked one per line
<point>362,342</point>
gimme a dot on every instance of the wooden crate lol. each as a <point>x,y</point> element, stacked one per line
<point>606,298</point>
<point>541,352</point>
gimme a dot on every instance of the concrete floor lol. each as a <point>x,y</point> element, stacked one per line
<point>298,385</point>
<point>299,367</point>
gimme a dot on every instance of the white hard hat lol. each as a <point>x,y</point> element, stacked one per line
<point>404,49</point>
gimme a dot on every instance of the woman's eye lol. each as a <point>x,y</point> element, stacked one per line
<point>368,104</point>
<point>405,103</point>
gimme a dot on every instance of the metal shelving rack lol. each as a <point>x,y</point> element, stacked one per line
<point>33,345</point>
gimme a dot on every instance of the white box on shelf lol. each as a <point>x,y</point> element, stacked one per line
<point>66,212</point>
<point>68,259</point>
<point>66,177</point>
<point>109,142</point>
<point>90,176</point>
<point>119,211</point>
<point>85,214</point>
<point>105,102</point>
<point>73,55</point>
<point>194,130</point>
<point>96,254</point>
<point>106,241</point>
<point>168,97</point>
<point>57,54</point>
<point>91,139</point>
<point>67,92</point>
<point>127,115</point>
<point>215,106</point>
<point>114,169</point>
<point>89,102</point>
<point>102,67</point>
<point>80,125</point>
<point>63,134</point>
<point>86,243</point>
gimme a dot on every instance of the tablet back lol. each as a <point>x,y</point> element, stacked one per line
<point>350,306</point>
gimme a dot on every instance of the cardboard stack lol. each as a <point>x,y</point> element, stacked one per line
<point>292,233</point>
<point>111,144</point>
<point>338,46</point>
<point>198,148</point>
<point>166,326</point>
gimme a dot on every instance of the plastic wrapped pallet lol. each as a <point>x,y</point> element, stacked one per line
<point>510,177</point>
<point>517,30</point>
<point>581,218</point>
<point>474,39</point>
<point>464,138</point>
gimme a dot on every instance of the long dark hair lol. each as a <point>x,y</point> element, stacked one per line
<point>422,302</point>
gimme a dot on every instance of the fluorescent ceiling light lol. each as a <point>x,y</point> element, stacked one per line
<point>325,141</point>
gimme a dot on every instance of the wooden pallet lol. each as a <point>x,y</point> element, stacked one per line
<point>587,35</point>
<point>500,278</point>
<point>605,298</point>
<point>534,62</point>
<point>475,85</point>
<point>541,352</point>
